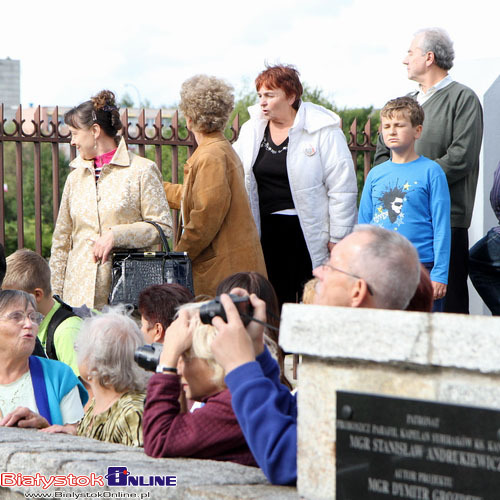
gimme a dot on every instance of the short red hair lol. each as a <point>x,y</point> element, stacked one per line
<point>284,77</point>
<point>423,298</point>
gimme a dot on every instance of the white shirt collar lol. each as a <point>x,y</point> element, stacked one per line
<point>424,96</point>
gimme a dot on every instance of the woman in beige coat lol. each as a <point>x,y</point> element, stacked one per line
<point>219,233</point>
<point>107,196</point>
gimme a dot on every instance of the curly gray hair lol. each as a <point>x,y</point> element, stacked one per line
<point>106,344</point>
<point>208,102</point>
<point>438,41</point>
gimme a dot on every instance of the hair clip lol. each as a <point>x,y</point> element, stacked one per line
<point>109,108</point>
<point>94,116</point>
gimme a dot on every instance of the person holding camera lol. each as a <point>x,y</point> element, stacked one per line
<point>187,363</point>
<point>356,275</point>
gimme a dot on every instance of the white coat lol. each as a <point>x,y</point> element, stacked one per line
<point>320,171</point>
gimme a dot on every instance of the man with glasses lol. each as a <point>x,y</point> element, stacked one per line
<point>371,267</point>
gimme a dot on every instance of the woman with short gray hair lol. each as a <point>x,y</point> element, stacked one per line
<point>34,392</point>
<point>105,350</point>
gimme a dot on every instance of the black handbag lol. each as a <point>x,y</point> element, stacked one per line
<point>133,271</point>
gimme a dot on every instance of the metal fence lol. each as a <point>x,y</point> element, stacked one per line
<point>38,127</point>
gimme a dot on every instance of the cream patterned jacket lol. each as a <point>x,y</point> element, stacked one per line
<point>129,191</point>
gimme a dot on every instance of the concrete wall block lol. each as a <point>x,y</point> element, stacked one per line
<point>466,342</point>
<point>317,406</point>
<point>320,379</point>
<point>363,334</point>
<point>27,452</point>
<point>395,337</point>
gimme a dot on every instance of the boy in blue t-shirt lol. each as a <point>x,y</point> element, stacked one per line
<point>409,193</point>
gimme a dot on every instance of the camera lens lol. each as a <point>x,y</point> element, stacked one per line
<point>211,309</point>
<point>148,356</point>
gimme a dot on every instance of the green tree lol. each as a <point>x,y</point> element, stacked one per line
<point>126,101</point>
<point>245,98</point>
<point>28,180</point>
<point>168,151</point>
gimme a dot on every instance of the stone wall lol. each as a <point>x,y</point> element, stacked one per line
<point>435,357</point>
<point>29,452</point>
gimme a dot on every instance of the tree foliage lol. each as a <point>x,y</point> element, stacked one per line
<point>28,181</point>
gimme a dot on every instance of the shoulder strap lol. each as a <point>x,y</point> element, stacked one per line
<point>39,387</point>
<point>38,350</point>
<point>63,313</point>
<point>162,235</point>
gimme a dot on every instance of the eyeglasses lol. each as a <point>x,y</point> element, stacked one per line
<point>19,317</point>
<point>328,266</point>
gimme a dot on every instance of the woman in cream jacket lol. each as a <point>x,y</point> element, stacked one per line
<point>107,196</point>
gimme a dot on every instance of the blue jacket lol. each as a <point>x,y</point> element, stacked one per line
<point>52,380</point>
<point>267,414</point>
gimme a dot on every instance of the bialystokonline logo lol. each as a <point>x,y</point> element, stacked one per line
<point>120,476</point>
<point>116,476</point>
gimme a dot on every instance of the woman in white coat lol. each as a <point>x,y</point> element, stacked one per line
<point>300,179</point>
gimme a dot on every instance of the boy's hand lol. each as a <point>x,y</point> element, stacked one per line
<point>439,290</point>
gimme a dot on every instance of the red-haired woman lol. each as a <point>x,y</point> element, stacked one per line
<point>300,179</point>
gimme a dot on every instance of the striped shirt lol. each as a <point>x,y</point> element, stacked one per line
<point>101,160</point>
<point>122,423</point>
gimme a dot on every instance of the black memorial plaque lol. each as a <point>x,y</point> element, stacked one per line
<point>419,450</point>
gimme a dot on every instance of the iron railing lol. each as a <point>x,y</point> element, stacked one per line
<point>39,127</point>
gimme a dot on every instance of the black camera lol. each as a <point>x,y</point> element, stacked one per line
<point>148,356</point>
<point>214,308</point>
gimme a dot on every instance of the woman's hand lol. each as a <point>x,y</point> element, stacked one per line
<point>178,339</point>
<point>61,429</point>
<point>103,246</point>
<point>24,417</point>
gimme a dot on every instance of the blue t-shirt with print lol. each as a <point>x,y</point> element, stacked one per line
<point>413,199</point>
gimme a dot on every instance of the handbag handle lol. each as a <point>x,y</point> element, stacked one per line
<point>163,238</point>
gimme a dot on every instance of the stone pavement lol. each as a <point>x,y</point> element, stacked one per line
<point>29,452</point>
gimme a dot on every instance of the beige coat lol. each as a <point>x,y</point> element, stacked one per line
<point>219,234</point>
<point>129,191</point>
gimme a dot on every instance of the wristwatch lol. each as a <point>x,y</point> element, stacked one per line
<point>165,369</point>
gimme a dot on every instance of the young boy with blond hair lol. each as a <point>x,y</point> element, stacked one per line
<point>409,193</point>
<point>30,272</point>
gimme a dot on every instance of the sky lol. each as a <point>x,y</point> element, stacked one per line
<point>350,49</point>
